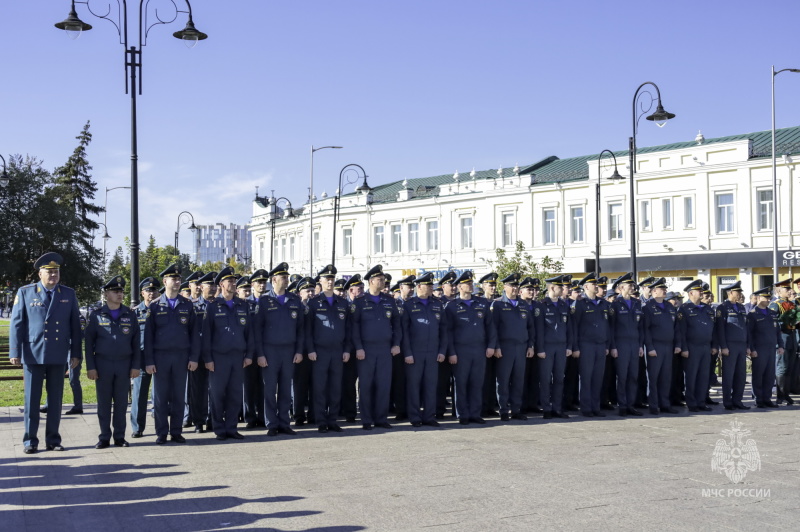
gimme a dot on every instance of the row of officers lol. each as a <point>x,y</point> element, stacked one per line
<point>253,356</point>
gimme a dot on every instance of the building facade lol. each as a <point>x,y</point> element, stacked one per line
<point>220,242</point>
<point>703,210</point>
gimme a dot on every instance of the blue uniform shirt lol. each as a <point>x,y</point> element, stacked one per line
<point>329,324</point>
<point>513,323</point>
<point>731,323</point>
<point>469,324</point>
<point>376,324</point>
<point>110,338</point>
<point>591,322</point>
<point>424,327</point>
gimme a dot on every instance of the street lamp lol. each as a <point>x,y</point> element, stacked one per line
<point>363,188</point>
<point>775,202</point>
<point>105,220</point>
<point>74,26</point>
<point>192,228</point>
<point>614,177</point>
<point>4,179</point>
<point>660,117</point>
<point>274,214</point>
<point>311,209</point>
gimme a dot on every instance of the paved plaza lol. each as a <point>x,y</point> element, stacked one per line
<point>614,473</point>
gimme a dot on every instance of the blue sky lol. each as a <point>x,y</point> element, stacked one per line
<point>409,88</point>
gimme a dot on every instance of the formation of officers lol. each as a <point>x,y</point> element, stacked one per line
<point>315,350</point>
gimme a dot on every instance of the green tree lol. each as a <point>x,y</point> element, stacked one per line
<point>504,264</point>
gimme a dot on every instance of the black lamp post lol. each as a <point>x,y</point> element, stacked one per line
<point>74,26</point>
<point>192,228</point>
<point>660,117</point>
<point>4,179</point>
<point>614,177</point>
<point>364,188</point>
<point>273,217</point>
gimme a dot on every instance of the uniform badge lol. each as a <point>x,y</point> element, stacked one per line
<point>564,318</point>
<point>480,314</point>
<point>184,320</point>
<point>438,316</point>
<point>611,310</point>
<point>294,314</point>
<point>572,310</point>
<point>126,330</point>
<point>400,310</point>
<point>637,318</point>
<point>243,321</point>
<point>523,315</point>
<point>352,308</point>
<point>536,312</point>
<point>388,313</point>
<point>341,315</point>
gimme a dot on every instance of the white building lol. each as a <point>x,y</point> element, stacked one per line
<point>220,242</point>
<point>703,211</point>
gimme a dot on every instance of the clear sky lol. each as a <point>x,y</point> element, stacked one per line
<point>410,88</point>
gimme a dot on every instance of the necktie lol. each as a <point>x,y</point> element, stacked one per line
<point>47,298</point>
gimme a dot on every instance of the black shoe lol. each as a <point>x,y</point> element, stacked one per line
<point>433,423</point>
<point>177,438</point>
<point>221,437</point>
<point>43,409</point>
<point>704,408</point>
<point>235,436</point>
<point>121,443</point>
<point>413,424</point>
<point>770,404</point>
<point>761,405</point>
<point>199,429</point>
<point>654,411</point>
<point>73,411</point>
<point>560,415</point>
<point>299,422</point>
<point>30,449</point>
<point>464,421</point>
<point>102,444</point>
<point>741,406</point>
<point>710,401</point>
<point>287,431</point>
<point>548,415</point>
<point>188,424</point>
<point>251,425</point>
<point>478,420</point>
<point>505,417</point>
<point>693,409</point>
<point>587,414</point>
<point>640,404</point>
<point>401,417</point>
<point>161,440</point>
<point>368,426</point>
<point>58,447</point>
<point>606,406</point>
<point>634,412</point>
<point>350,419</point>
<point>272,432</point>
<point>491,413</point>
<point>599,414</point>
<point>535,410</point>
<point>439,416</point>
<point>334,427</point>
<point>383,425</point>
<point>137,434</point>
<point>729,407</point>
<point>209,427</point>
<point>323,429</point>
<point>669,410</point>
<point>623,412</point>
<point>520,416</point>
<point>789,401</point>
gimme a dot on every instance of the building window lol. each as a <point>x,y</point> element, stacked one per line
<point>508,229</point>
<point>576,224</point>
<point>615,221</point>
<point>316,244</point>
<point>396,231</point>
<point>724,210</point>
<point>549,225</point>
<point>377,243</point>
<point>413,237</point>
<point>688,212</point>
<point>347,237</point>
<point>433,235</point>
<point>765,213</point>
<point>274,251</point>
<point>466,233</point>
<point>261,253</point>
<point>666,213</point>
<point>283,248</point>
<point>645,216</point>
<point>291,248</point>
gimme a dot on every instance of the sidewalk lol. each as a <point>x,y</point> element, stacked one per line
<point>613,473</point>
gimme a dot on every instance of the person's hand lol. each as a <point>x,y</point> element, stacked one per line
<point>754,354</point>
<point>297,358</point>
<point>361,354</point>
<point>652,353</point>
<point>135,373</point>
<point>312,356</point>
<point>498,353</point>
<point>151,370</point>
<point>246,362</point>
<point>409,360</point>
<point>210,366</point>
<point>395,350</point>
<point>576,354</point>
<point>529,353</point>
<point>714,351</point>
<point>569,352</point>
<point>192,366</point>
<point>641,352</point>
<point>345,357</point>
<point>685,354</point>
<point>92,374</point>
<point>262,362</point>
<point>607,351</point>
<point>724,352</point>
<point>489,352</point>
<point>677,351</point>
<point>453,359</point>
<point>16,361</point>
<point>614,353</point>
<point>440,358</point>
<point>73,362</point>
<point>780,351</point>
<point>541,355</point>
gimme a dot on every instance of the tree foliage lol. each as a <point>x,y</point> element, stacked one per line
<point>504,264</point>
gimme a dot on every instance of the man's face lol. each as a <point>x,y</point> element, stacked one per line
<point>536,292</point>
<point>625,290</point>
<point>675,302</point>
<point>327,283</point>
<point>339,292</point>
<point>228,287</point>
<point>526,293</point>
<point>783,292</point>
<point>356,291</point>
<point>600,292</point>
<point>194,290</point>
<point>438,292</point>
<point>171,283</point>
<point>465,289</point>
<point>259,287</point>
<point>590,289</point>
<point>406,290</point>
<point>658,292</point>
<point>448,290</point>
<point>306,293</point>
<point>424,291</point>
<point>376,283</point>
<point>208,290</point>
<point>49,277</point>
<point>489,290</point>
<point>646,292</point>
<point>114,297</point>
<point>148,295</point>
<point>280,282</point>
<point>706,298</point>
<point>243,292</point>
<point>763,301</point>
<point>753,299</point>
<point>574,294</point>
<point>734,296</point>
<point>555,291</point>
<point>511,290</point>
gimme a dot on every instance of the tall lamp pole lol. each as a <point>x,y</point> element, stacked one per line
<point>74,26</point>
<point>105,221</point>
<point>4,179</point>
<point>192,228</point>
<point>365,188</point>
<point>775,203</point>
<point>289,214</point>
<point>311,209</point>
<point>660,117</point>
<point>614,177</point>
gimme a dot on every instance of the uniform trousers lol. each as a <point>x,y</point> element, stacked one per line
<point>225,383</point>
<point>490,385</point>
<point>530,386</point>
<point>399,385</point>
<point>141,389</point>
<point>349,404</point>
<point>421,380</point>
<point>198,396</point>
<point>763,369</point>
<point>170,387</point>
<point>627,368</point>
<point>469,372</point>
<point>277,378</point>
<point>253,394</point>
<point>677,386</point>
<point>113,379</point>
<point>301,387</point>
<point>374,383</point>
<point>571,382</point>
<point>326,382</point>
<point>697,374</point>
<point>551,377</point>
<point>659,375</point>
<point>510,377</point>
<point>591,363</point>
<point>443,384</point>
<point>734,373</point>
<point>35,376</point>
<point>75,385</point>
